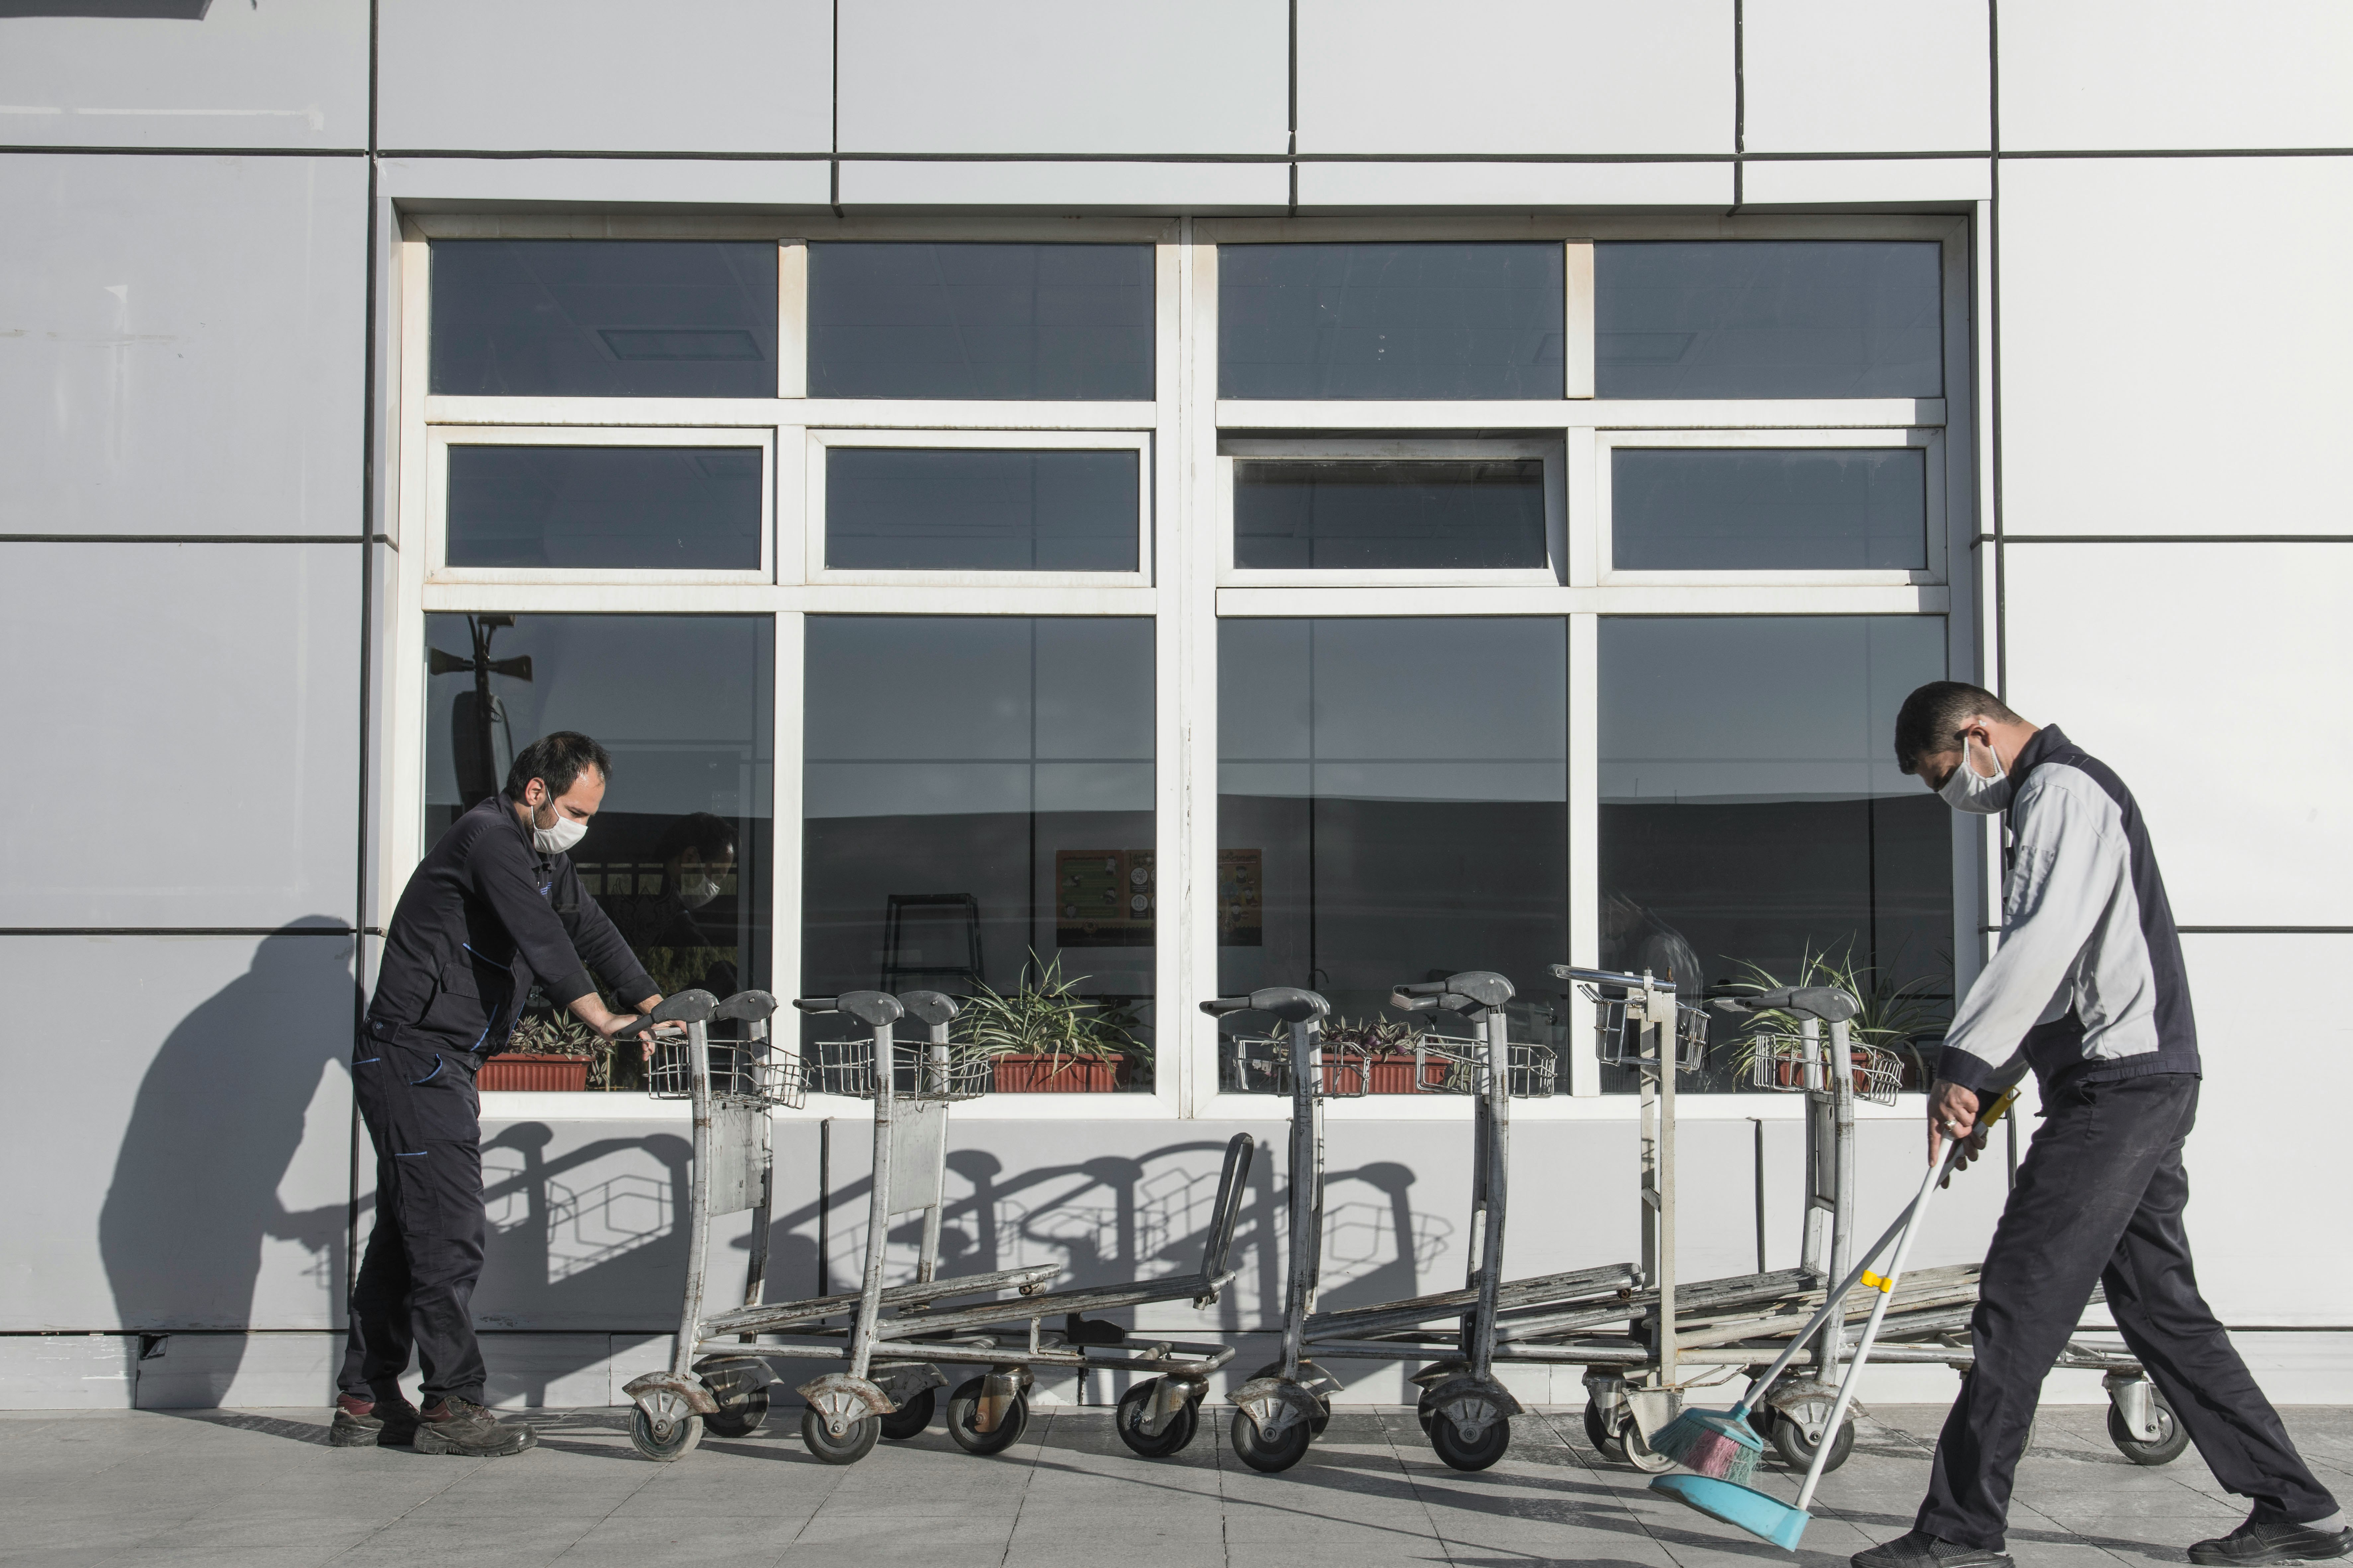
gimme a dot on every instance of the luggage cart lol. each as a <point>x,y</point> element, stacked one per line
<point>894,1338</point>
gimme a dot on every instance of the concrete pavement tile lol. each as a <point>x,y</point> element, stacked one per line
<point>642,1539</point>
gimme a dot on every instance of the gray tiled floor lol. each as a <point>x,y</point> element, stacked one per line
<point>260,1488</point>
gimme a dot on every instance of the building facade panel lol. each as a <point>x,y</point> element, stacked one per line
<point>1843,75</point>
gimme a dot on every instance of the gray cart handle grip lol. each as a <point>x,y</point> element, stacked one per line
<point>1471,988</point>
<point>747,1007</point>
<point>872,1008</point>
<point>1288,1003</point>
<point>685,1007</point>
<point>933,1007</point>
<point>1826,1003</point>
<point>1608,977</point>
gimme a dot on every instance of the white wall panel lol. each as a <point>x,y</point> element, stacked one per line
<point>689,75</point>
<point>182,343</point>
<point>1857,181</point>
<point>181,1154</point>
<point>289,74</point>
<point>187,726</point>
<point>2175,73</point>
<point>1434,186</point>
<point>1515,76</point>
<point>2233,310</point>
<point>1101,187</point>
<point>540,183</point>
<point>1864,76</point>
<point>1064,75</point>
<point>2200,673</point>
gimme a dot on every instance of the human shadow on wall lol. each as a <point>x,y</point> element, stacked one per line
<point>214,1127</point>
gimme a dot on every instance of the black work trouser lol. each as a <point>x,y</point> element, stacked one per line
<point>416,1286</point>
<point>2099,1197</point>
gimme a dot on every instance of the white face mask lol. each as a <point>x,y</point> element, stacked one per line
<point>555,840</point>
<point>696,890</point>
<point>1969,791</point>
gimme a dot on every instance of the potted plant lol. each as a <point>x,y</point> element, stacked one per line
<point>548,1051</point>
<point>1045,1038</point>
<point>1377,1049</point>
<point>1891,1017</point>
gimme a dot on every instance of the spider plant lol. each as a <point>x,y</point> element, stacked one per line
<point>1891,1017</point>
<point>1045,1016</point>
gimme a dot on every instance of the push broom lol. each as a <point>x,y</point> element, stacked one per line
<point>1723,1447</point>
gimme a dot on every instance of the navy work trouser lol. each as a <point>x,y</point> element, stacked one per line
<point>416,1286</point>
<point>2099,1197</point>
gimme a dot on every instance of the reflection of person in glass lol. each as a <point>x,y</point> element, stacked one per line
<point>1635,939</point>
<point>493,909</point>
<point>698,855</point>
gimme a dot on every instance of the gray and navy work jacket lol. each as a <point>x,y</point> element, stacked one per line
<point>2088,978</point>
<point>486,917</point>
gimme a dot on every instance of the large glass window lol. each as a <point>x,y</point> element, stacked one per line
<point>1429,516</point>
<point>978,813</point>
<point>1753,820</point>
<point>897,320</point>
<point>1845,317</point>
<point>604,318</point>
<point>959,509</point>
<point>624,508</point>
<point>680,854</point>
<point>1425,320</point>
<point>1767,509</point>
<point>1392,803</point>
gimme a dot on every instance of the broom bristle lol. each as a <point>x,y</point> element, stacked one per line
<point>1715,1443</point>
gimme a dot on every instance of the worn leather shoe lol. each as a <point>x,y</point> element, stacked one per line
<point>370,1423</point>
<point>2262,1539</point>
<point>462,1427</point>
<point>1918,1548</point>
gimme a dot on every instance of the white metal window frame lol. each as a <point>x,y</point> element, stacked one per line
<point>822,442</point>
<point>1931,442</point>
<point>440,438</point>
<point>1188,591</point>
<point>1553,453</point>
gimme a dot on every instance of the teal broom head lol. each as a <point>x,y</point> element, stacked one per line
<point>1768,1519</point>
<point>1716,1443</point>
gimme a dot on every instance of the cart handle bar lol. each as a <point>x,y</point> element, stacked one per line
<point>933,1007</point>
<point>683,1008</point>
<point>1827,1003</point>
<point>1610,977</point>
<point>1288,1003</point>
<point>1474,988</point>
<point>747,1008</point>
<point>872,1008</point>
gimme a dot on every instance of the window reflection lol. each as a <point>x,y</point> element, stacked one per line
<point>948,509</point>
<point>1426,516</point>
<point>1676,509</point>
<point>618,508</point>
<point>1768,319</point>
<point>1392,803</point>
<point>1752,817</point>
<point>604,318</point>
<point>680,856</point>
<point>978,810</point>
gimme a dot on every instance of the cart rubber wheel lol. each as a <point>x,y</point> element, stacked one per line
<point>1423,1411</point>
<point>1314,1427</point>
<point>962,1404</point>
<point>740,1417</point>
<point>1170,1439</point>
<point>846,1449</point>
<point>1597,1432</point>
<point>665,1440</point>
<point>1790,1441</point>
<point>1461,1453</point>
<point>1640,1455</point>
<point>1272,1458</point>
<point>2172,1437</point>
<point>911,1419</point>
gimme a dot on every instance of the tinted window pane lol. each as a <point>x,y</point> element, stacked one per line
<point>605,318</point>
<point>889,509</point>
<point>1752,816</point>
<point>1389,321</point>
<point>978,791</point>
<point>1768,319</point>
<point>1392,805</point>
<point>611,506</point>
<point>1429,516</point>
<point>980,321</point>
<point>1674,509</point>
<point>680,854</point>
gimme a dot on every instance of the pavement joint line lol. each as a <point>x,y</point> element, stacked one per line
<point>1436,1535</point>
<point>1028,1474</point>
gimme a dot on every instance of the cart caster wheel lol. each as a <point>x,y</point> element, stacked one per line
<point>2171,1438</point>
<point>1260,1453</point>
<point>846,1450</point>
<point>741,1388</point>
<point>1598,1433</point>
<point>965,1401</point>
<point>740,1417</point>
<point>1790,1441</point>
<point>1460,1452</point>
<point>1640,1455</point>
<point>1422,1412</point>
<point>664,1440</point>
<point>1170,1439</point>
<point>911,1419</point>
<point>1314,1427</point>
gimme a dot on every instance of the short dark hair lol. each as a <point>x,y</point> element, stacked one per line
<point>709,837</point>
<point>556,760</point>
<point>1937,713</point>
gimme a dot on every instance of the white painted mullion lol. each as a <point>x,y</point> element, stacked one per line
<point>1589,509</point>
<point>1162,540</point>
<point>399,821</point>
<point>1578,371</point>
<point>1584,844</point>
<point>784,913</point>
<point>791,319</point>
<point>1202,546</point>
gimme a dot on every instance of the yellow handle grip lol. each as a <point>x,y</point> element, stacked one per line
<point>1999,1108</point>
<point>1879,1282</point>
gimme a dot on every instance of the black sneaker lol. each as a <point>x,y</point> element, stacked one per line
<point>2262,1539</point>
<point>371,1424</point>
<point>1918,1548</point>
<point>462,1427</point>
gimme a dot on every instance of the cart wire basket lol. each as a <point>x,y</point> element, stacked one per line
<point>742,1072</point>
<point>1777,1062</point>
<point>1451,1064</point>
<point>847,1067</point>
<point>1618,1042</point>
<point>1261,1064</point>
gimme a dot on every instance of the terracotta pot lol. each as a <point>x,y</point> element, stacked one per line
<point>517,1070</point>
<point>1792,1075</point>
<point>1045,1074</point>
<point>1393,1072</point>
